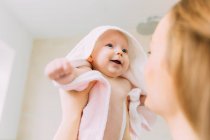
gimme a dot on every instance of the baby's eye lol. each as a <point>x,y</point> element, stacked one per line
<point>125,50</point>
<point>149,52</point>
<point>109,45</point>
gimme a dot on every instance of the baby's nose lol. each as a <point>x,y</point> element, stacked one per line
<point>119,53</point>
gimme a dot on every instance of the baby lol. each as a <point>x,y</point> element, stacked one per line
<point>108,66</point>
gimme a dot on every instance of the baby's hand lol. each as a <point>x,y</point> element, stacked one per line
<point>60,70</point>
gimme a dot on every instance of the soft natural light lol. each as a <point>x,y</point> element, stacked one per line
<point>6,59</point>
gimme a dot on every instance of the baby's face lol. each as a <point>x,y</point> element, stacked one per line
<point>110,54</point>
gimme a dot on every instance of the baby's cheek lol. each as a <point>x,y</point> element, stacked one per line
<point>126,66</point>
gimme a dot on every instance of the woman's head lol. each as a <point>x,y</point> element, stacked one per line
<point>184,56</point>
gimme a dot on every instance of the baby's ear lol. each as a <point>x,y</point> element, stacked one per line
<point>90,59</point>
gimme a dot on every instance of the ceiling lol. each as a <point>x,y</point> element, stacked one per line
<point>59,18</point>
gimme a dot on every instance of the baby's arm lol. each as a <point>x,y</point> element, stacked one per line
<point>72,102</point>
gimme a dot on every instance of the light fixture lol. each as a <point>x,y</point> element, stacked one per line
<point>148,26</point>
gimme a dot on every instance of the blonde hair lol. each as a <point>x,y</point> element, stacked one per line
<point>188,56</point>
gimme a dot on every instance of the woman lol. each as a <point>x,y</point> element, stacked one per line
<point>178,70</point>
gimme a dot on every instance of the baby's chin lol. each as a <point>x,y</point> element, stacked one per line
<point>113,74</point>
<point>112,71</point>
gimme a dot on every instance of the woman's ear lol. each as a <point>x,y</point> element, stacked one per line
<point>90,59</point>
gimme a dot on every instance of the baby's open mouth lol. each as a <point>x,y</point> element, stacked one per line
<point>116,61</point>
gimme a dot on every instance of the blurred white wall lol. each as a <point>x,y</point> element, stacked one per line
<point>41,106</point>
<point>7,55</point>
<point>16,37</point>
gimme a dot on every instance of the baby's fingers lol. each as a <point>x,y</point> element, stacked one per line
<point>142,99</point>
